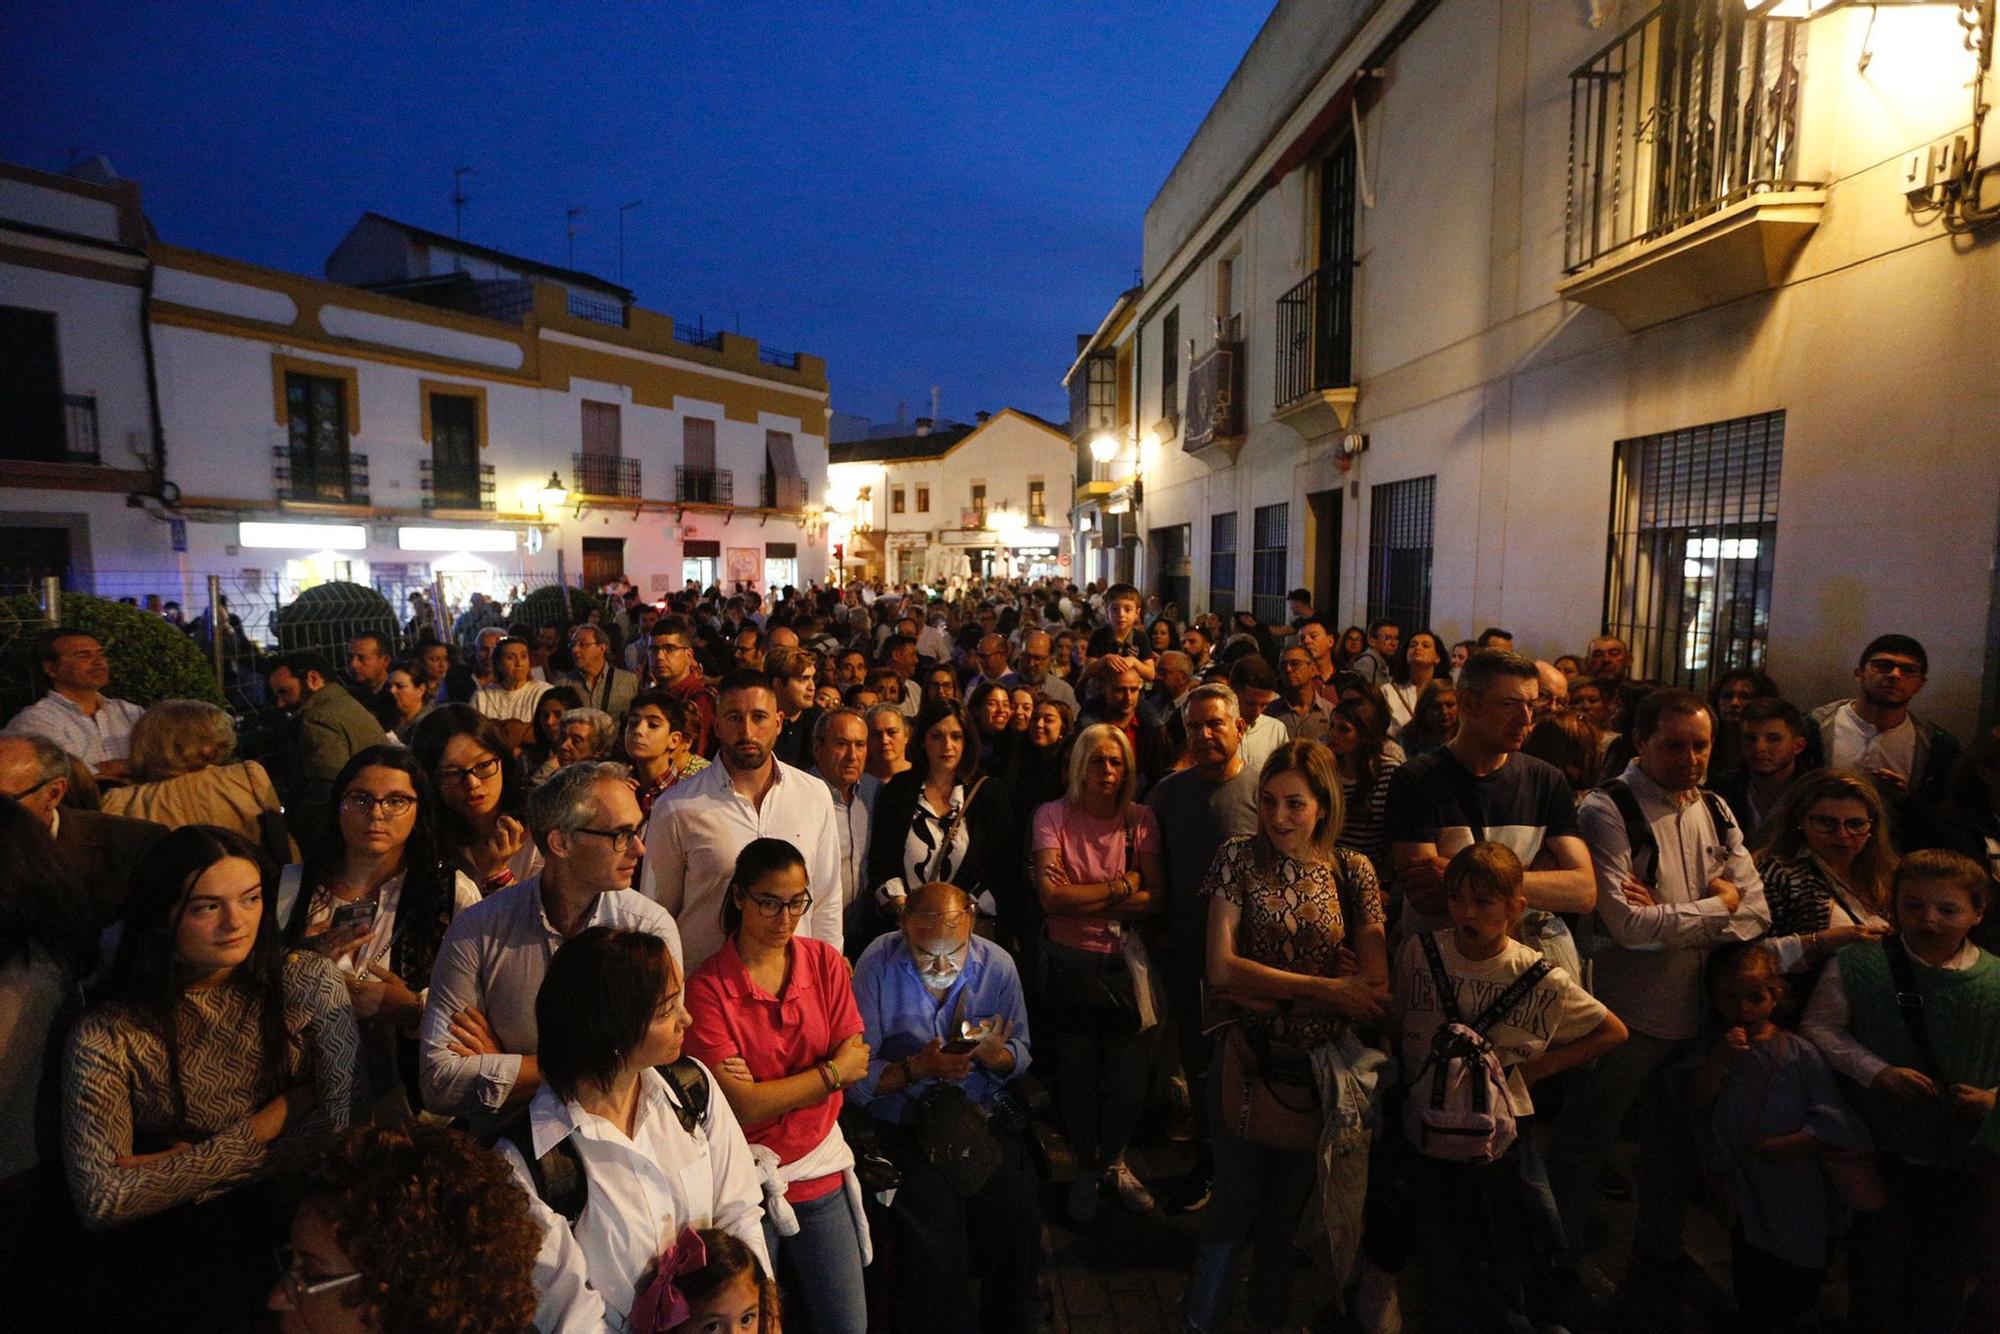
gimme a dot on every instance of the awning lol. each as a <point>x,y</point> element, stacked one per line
<point>1317,131</point>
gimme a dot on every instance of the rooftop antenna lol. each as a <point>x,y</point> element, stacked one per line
<point>934,404</point>
<point>623,209</point>
<point>459,199</point>
<point>574,212</point>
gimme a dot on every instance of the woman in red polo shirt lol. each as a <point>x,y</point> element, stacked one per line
<point>774,1017</point>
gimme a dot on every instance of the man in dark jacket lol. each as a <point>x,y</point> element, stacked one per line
<point>333,727</point>
<point>100,850</point>
<point>1875,732</point>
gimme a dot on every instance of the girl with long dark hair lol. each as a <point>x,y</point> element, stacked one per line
<point>209,1062</point>
<point>481,793</point>
<point>375,895</point>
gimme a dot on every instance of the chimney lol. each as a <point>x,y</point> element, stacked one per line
<point>980,416</point>
<point>923,426</point>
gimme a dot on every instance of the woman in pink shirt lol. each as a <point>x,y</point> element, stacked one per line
<point>1096,859</point>
<point>774,1017</point>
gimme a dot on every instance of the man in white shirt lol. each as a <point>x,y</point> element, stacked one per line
<point>477,1042</point>
<point>1673,880</point>
<point>76,714</point>
<point>1256,687</point>
<point>702,822</point>
<point>1875,732</point>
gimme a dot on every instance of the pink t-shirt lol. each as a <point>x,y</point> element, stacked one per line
<point>1094,850</point>
<point>777,1036</point>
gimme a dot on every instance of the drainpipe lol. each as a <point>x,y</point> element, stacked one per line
<point>163,491</point>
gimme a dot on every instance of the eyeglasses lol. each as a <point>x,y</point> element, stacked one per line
<point>1892,667</point>
<point>485,771</point>
<point>25,793</point>
<point>621,839</point>
<point>1833,824</point>
<point>395,805</point>
<point>771,907</point>
<point>297,1286</point>
<point>670,648</point>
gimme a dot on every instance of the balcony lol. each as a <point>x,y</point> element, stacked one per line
<point>1215,418</point>
<point>696,335</point>
<point>80,429</point>
<point>597,310</point>
<point>771,356</point>
<point>1315,390</point>
<point>305,478</point>
<point>604,475</point>
<point>456,488</point>
<point>703,486</point>
<point>1684,189</point>
<point>776,491</point>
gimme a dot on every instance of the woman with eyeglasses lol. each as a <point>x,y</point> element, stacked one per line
<point>773,1015</point>
<point>1827,860</point>
<point>208,1063</point>
<point>417,1229</point>
<point>481,794</point>
<point>375,896</point>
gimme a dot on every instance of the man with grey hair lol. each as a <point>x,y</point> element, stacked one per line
<point>1037,656</point>
<point>477,1043</point>
<point>1199,808</point>
<point>602,685</point>
<point>840,760</point>
<point>99,849</point>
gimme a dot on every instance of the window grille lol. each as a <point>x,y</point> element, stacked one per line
<point>1222,564</point>
<point>1271,536</point>
<point>1693,542</point>
<point>1399,551</point>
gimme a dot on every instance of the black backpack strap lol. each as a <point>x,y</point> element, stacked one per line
<point>1718,811</point>
<point>558,1175</point>
<point>688,1090</point>
<point>1511,997</point>
<point>1638,833</point>
<point>1910,1001</point>
<point>1441,980</point>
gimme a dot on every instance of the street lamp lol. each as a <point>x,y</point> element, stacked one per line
<point>554,494</point>
<point>1104,447</point>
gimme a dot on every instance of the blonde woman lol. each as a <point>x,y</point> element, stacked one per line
<point>1296,954</point>
<point>179,775</point>
<point>1827,862</point>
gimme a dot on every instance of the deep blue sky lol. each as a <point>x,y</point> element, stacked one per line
<point>924,193</point>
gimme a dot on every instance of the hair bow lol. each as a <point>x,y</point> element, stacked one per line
<point>663,1306</point>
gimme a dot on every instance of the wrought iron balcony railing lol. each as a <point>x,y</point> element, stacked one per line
<point>301,476</point>
<point>1316,334</point>
<point>456,488</point>
<point>704,486</point>
<point>604,475</point>
<point>80,428</point>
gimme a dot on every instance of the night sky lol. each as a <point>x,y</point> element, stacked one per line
<point>923,193</point>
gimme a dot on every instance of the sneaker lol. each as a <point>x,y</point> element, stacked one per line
<point>1083,1197</point>
<point>1131,1194</point>
<point>1193,1193</point>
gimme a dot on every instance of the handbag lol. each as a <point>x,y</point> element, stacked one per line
<point>1269,1095</point>
<point>953,1137</point>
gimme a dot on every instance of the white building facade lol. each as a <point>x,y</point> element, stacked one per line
<point>1461,313</point>
<point>990,499</point>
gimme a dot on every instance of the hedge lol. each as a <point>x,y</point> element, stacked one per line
<point>327,616</point>
<point>544,606</point>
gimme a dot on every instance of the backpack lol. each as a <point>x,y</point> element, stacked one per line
<point>1466,1115</point>
<point>558,1176</point>
<point>1639,831</point>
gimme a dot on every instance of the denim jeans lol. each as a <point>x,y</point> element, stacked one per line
<point>1489,1239</point>
<point>821,1264</point>
<point>1259,1195</point>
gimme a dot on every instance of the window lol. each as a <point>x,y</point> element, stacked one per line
<point>31,398</point>
<point>978,505</point>
<point>1170,365</point>
<point>1228,315</point>
<point>784,487</point>
<point>1170,547</point>
<point>1399,551</point>
<point>1094,396</point>
<point>316,408</point>
<point>895,500</point>
<point>1222,564</point>
<point>1038,501</point>
<point>781,565</point>
<point>454,479</point>
<point>1694,535</point>
<point>1270,537</point>
<point>923,500</point>
<point>601,469</point>
<point>698,480</point>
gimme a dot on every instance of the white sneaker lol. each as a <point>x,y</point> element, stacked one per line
<point>1127,1189</point>
<point>1083,1196</point>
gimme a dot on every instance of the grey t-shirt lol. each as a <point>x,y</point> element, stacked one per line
<point>1196,817</point>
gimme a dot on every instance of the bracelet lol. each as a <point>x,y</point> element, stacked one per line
<point>830,1076</point>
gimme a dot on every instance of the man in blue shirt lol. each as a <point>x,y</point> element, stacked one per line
<point>942,1007</point>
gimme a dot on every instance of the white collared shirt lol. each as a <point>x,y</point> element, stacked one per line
<point>700,824</point>
<point>852,820</point>
<point>642,1192</point>
<point>510,706</point>
<point>493,959</point>
<point>95,738</point>
<point>1856,743</point>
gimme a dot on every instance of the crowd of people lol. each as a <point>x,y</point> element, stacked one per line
<point>718,963</point>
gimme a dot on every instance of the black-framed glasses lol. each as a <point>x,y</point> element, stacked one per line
<point>297,1286</point>
<point>770,907</point>
<point>485,771</point>
<point>670,648</point>
<point>25,793</point>
<point>621,839</point>
<point>1893,667</point>
<point>1834,824</point>
<point>395,805</point>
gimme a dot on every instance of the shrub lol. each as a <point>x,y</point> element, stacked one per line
<point>544,606</point>
<point>326,616</point>
<point>150,659</point>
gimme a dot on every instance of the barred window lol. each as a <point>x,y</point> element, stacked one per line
<point>1222,564</point>
<point>1399,551</point>
<point>1271,536</point>
<point>1694,533</point>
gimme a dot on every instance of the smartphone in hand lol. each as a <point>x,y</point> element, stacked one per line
<point>358,914</point>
